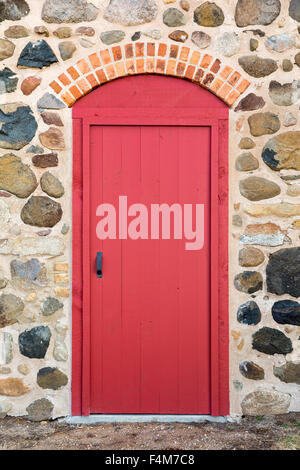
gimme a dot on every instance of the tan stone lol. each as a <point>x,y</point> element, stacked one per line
<point>62,292</point>
<point>250,256</point>
<point>282,209</point>
<point>61,266</point>
<point>23,369</point>
<point>293,190</point>
<point>265,402</point>
<point>61,278</point>
<point>53,139</point>
<point>12,387</point>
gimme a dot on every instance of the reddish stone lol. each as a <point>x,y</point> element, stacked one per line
<point>29,84</point>
<point>45,160</point>
<point>51,118</point>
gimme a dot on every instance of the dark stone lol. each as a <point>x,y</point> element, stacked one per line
<point>35,342</point>
<point>8,81</point>
<point>29,270</point>
<point>249,313</point>
<point>286,312</point>
<point>251,102</point>
<point>297,59</point>
<point>256,32</point>
<point>37,55</point>
<point>41,211</point>
<point>271,341</point>
<point>45,161</point>
<point>40,410</point>
<point>248,282</point>
<point>283,272</point>
<point>251,371</point>
<point>51,378</point>
<point>288,373</point>
<point>13,9</point>
<point>257,66</point>
<point>18,126</point>
<point>209,14</point>
<point>50,306</point>
<point>136,36</point>
<point>294,10</point>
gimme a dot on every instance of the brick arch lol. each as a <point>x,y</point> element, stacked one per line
<point>149,58</point>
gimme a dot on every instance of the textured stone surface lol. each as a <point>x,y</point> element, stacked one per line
<point>85,31</point>
<point>174,18</point>
<point>288,373</point>
<point>283,272</point>
<point>16,177</point>
<point>251,371</point>
<point>289,120</point>
<point>7,48</point>
<point>246,162</point>
<point>286,312</point>
<point>63,32</point>
<point>42,31</point>
<point>37,55</point>
<point>257,66</point>
<point>29,84</point>
<point>246,143</point>
<point>228,44</point>
<point>12,387</point>
<point>248,282</point>
<point>34,343</point>
<point>53,139</point>
<point>18,126</point>
<point>283,151</point>
<point>51,119</point>
<point>265,402</point>
<point>249,313</point>
<point>152,33</point>
<point>48,101</point>
<point>68,11</point>
<point>251,102</point>
<point>41,211</point>
<point>28,246</point>
<point>287,65</point>
<point>11,307</point>
<point>29,270</point>
<point>8,81</point>
<point>6,350</point>
<point>263,124</point>
<point>16,32</point>
<point>209,14</point>
<point>280,42</point>
<point>13,9</point>
<point>271,341</point>
<point>268,234</point>
<point>201,39</point>
<point>51,378</point>
<point>281,209</point>
<point>66,49</point>
<point>51,185</point>
<point>250,257</point>
<point>40,410</point>
<point>178,35</point>
<point>131,12</point>
<point>45,161</point>
<point>111,37</point>
<point>294,10</point>
<point>286,94</point>
<point>255,188</point>
<point>50,306</point>
<point>251,12</point>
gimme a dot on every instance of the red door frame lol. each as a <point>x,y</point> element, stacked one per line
<point>217,119</point>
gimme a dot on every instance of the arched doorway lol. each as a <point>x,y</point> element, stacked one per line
<point>150,335</point>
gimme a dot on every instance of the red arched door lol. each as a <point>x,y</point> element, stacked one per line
<point>146,249</point>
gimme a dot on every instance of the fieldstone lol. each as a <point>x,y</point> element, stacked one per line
<point>283,151</point>
<point>185,5</point>
<point>286,312</point>
<point>246,162</point>
<point>65,229</point>
<point>53,139</point>
<point>268,234</point>
<point>51,118</point>
<point>48,101</point>
<point>289,120</point>
<point>63,32</point>
<point>12,387</point>
<point>286,94</point>
<point>179,36</point>
<point>297,59</point>
<point>31,270</point>
<point>136,36</point>
<point>253,45</point>
<point>13,9</point>
<point>248,282</point>
<point>238,385</point>
<point>41,211</point>
<point>263,124</point>
<point>249,313</point>
<point>288,372</point>
<point>16,32</point>
<point>281,209</point>
<point>35,149</point>
<point>228,44</point>
<point>152,33</point>
<point>201,39</point>
<point>174,18</point>
<point>45,161</point>
<point>51,378</point>
<point>18,125</point>
<point>30,246</point>
<point>34,343</point>
<point>209,14</point>
<point>66,49</point>
<point>51,185</point>
<point>287,65</point>
<point>23,369</point>
<point>280,42</point>
<point>85,31</point>
<point>283,272</point>
<point>42,31</point>
<point>131,12</point>
<point>37,55</point>
<point>40,410</point>
<point>257,66</point>
<point>5,407</point>
<point>60,351</point>
<point>6,351</point>
<point>50,306</point>
<point>29,84</point>
<point>250,257</point>
<point>255,188</point>
<point>294,10</point>
<point>11,307</point>
<point>246,143</point>
<point>251,102</point>
<point>112,37</point>
<point>251,12</point>
<point>5,370</point>
<point>271,341</point>
<point>8,81</point>
<point>7,48</point>
<point>16,177</point>
<point>251,371</point>
<point>68,11</point>
<point>265,402</point>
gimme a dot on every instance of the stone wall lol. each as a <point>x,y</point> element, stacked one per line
<point>52,53</point>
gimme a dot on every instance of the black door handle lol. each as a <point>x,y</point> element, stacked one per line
<point>99,264</point>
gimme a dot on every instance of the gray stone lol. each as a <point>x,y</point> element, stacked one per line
<point>51,378</point>
<point>294,10</point>
<point>283,151</point>
<point>288,373</point>
<point>18,126</point>
<point>68,11</point>
<point>251,12</point>
<point>16,177</point>
<point>51,185</point>
<point>251,371</point>
<point>11,307</point>
<point>35,149</point>
<point>201,39</point>
<point>41,211</point>
<point>16,32</point>
<point>112,37</point>
<point>28,246</point>
<point>283,272</point>
<point>131,12</point>
<point>286,94</point>
<point>65,229</point>
<point>34,343</point>
<point>228,44</point>
<point>48,101</point>
<point>286,312</point>
<point>13,9</point>
<point>289,120</point>
<point>60,351</point>
<point>238,385</point>
<point>249,313</point>
<point>37,55</point>
<point>30,270</point>
<point>6,350</point>
<point>7,49</point>
<point>265,402</point>
<point>248,282</point>
<point>66,49</point>
<point>209,14</point>
<point>271,341</point>
<point>8,81</point>
<point>152,33</point>
<point>40,410</point>
<point>280,42</point>
<point>174,18</point>
<point>257,66</point>
<point>255,188</point>
<point>263,124</point>
<point>50,306</point>
<point>268,234</point>
<point>246,162</point>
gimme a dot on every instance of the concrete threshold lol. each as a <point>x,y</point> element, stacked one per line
<point>139,418</point>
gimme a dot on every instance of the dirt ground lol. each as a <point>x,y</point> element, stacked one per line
<point>280,432</point>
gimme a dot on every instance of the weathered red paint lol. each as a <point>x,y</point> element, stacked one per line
<point>151,336</point>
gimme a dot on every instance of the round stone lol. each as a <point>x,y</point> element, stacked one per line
<point>283,272</point>
<point>246,162</point>
<point>179,36</point>
<point>40,410</point>
<point>201,39</point>
<point>250,257</point>
<point>248,282</point>
<point>63,32</point>
<point>283,151</point>
<point>280,42</point>
<point>251,371</point>
<point>66,49</point>
<point>209,14</point>
<point>16,177</point>
<point>265,402</point>
<point>263,124</point>
<point>253,44</point>
<point>249,313</point>
<point>246,143</point>
<point>85,31</point>
<point>256,66</point>
<point>51,378</point>
<point>112,37</point>
<point>228,44</point>
<point>41,211</point>
<point>255,188</point>
<point>45,161</point>
<point>288,373</point>
<point>174,18</point>
<point>251,12</point>
<point>286,312</point>
<point>271,341</point>
<point>34,343</point>
<point>7,48</point>
<point>287,65</point>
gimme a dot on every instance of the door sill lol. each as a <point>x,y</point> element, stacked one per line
<point>144,418</point>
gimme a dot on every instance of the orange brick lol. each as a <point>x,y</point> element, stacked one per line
<point>56,87</point>
<point>232,97</point>
<point>73,73</point>
<point>101,76</point>
<point>83,85</point>
<point>117,53</point>
<point>95,61</point>
<point>162,50</point>
<point>75,92</point>
<point>195,58</point>
<point>217,83</point>
<point>234,78</point>
<point>198,75</point>
<point>243,86</point>
<point>64,79</point>
<point>110,72</point>
<point>140,67</point>
<point>139,49</point>
<point>224,91</point>
<point>92,80</point>
<point>130,65</point>
<point>216,66</point>
<point>184,53</point>
<point>205,62</point>
<point>128,51</point>
<point>120,69</point>
<point>151,49</point>
<point>190,71</point>
<point>171,67</point>
<point>160,66</point>
<point>180,68</point>
<point>225,72</point>
<point>68,99</point>
<point>83,66</point>
<point>150,65</point>
<point>174,51</point>
<point>208,79</point>
<point>105,56</point>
